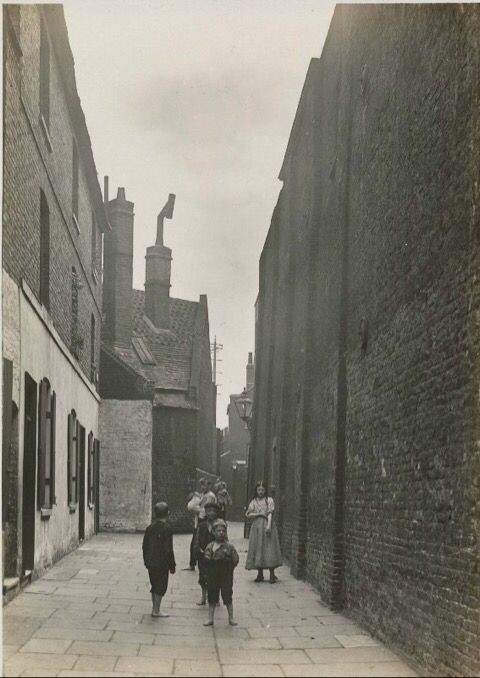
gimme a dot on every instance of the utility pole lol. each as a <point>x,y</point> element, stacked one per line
<point>215,348</point>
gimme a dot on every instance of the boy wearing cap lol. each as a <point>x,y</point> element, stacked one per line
<point>203,537</point>
<point>158,556</point>
<point>221,559</point>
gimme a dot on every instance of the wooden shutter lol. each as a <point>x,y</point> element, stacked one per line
<point>69,459</point>
<point>53,424</point>
<point>90,468</point>
<point>6,431</point>
<point>77,460</point>
<point>42,435</point>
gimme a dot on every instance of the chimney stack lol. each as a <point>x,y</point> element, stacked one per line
<point>118,270</point>
<point>158,273</point>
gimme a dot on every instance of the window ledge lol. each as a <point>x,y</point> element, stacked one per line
<point>72,508</point>
<point>45,513</point>
<point>75,222</point>
<point>46,133</point>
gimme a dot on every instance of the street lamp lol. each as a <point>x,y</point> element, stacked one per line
<point>244,405</point>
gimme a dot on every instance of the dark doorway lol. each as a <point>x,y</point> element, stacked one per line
<point>81,486</point>
<point>29,469</point>
<point>10,474</point>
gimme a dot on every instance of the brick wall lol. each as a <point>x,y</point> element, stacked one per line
<point>29,167</point>
<point>375,240</point>
<point>125,470</point>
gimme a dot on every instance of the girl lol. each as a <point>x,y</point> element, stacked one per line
<point>263,546</point>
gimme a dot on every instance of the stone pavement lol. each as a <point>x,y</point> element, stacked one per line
<point>90,616</point>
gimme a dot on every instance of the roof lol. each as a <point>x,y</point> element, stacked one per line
<point>163,357</point>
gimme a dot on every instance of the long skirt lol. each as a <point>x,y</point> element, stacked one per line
<point>263,548</point>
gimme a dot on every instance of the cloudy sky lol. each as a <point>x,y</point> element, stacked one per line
<point>197,98</point>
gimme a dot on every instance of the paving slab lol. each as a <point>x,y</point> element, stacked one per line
<point>145,666</point>
<point>90,616</point>
<point>95,663</point>
<point>267,670</point>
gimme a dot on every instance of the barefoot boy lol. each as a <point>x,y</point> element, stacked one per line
<point>158,556</point>
<point>221,559</point>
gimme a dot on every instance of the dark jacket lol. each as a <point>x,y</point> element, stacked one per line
<point>158,547</point>
<point>203,537</point>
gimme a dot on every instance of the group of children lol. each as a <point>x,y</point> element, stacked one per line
<point>215,556</point>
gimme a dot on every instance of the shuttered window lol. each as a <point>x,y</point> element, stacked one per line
<point>72,461</point>
<point>46,446</point>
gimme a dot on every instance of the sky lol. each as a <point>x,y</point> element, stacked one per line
<point>197,98</point>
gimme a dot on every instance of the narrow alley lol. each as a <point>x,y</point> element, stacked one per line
<point>90,616</point>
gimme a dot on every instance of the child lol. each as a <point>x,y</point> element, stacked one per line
<point>223,498</point>
<point>221,558</point>
<point>158,556</point>
<point>193,506</point>
<point>203,537</point>
<point>263,545</point>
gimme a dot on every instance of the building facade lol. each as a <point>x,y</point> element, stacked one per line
<point>236,450</point>
<point>158,398</point>
<point>53,220</point>
<point>366,417</point>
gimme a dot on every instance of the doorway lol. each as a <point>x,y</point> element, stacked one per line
<point>29,473</point>
<point>81,487</point>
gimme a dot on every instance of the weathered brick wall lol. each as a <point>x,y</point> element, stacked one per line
<point>30,167</point>
<point>125,470</point>
<point>173,462</point>
<point>383,440</point>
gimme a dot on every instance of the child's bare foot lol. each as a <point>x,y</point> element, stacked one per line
<point>159,614</point>
<point>232,622</point>
<point>209,623</point>
<point>202,602</point>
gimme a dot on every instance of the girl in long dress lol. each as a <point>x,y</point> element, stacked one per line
<point>264,545</point>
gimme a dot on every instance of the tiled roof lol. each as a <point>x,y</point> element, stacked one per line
<point>171,349</point>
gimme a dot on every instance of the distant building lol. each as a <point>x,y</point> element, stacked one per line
<point>158,398</point>
<point>236,447</point>
<point>53,220</point>
<point>367,391</point>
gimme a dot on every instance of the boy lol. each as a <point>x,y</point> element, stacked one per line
<point>158,556</point>
<point>203,537</point>
<point>221,559</point>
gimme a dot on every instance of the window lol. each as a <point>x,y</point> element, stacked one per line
<point>46,447</point>
<point>75,181</point>
<point>72,460</point>
<point>44,251</point>
<point>44,78</point>
<point>93,366</point>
